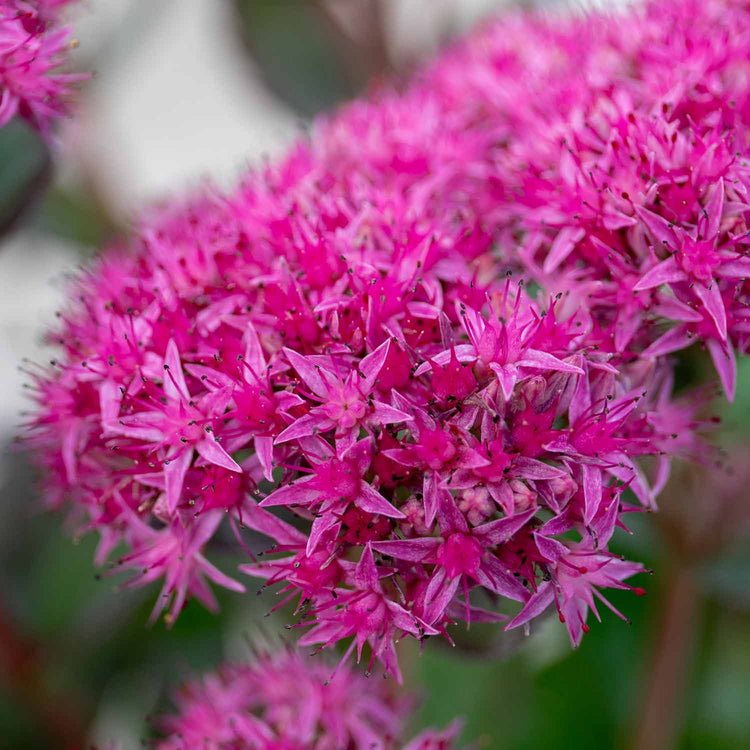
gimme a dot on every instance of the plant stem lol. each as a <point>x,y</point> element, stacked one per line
<point>23,667</point>
<point>670,667</point>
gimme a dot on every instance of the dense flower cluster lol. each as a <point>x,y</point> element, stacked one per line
<point>624,173</point>
<point>282,701</point>
<point>33,45</point>
<point>426,354</point>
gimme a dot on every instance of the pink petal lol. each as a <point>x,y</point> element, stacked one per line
<point>658,227</point>
<point>495,576</point>
<point>507,376</point>
<point>291,494</point>
<point>531,468</point>
<point>627,324</point>
<point>464,353</point>
<point>592,490</point>
<point>672,308</point>
<point>534,607</point>
<point>562,246</point>
<point>372,501</point>
<point>714,304</point>
<point>580,402</point>
<point>725,363</point>
<point>264,451</point>
<point>110,399</point>
<point>431,491</point>
<point>215,454</point>
<point>714,208</point>
<point>550,549</point>
<point>254,351</point>
<point>174,380</point>
<point>406,621</point>
<point>319,527</point>
<point>543,360</point>
<point>366,573</point>
<point>673,340</point>
<point>372,364</point>
<point>254,517</point>
<point>174,476</point>
<point>218,577</point>
<point>70,436</point>
<point>502,494</point>
<point>209,377</point>
<point>440,593</point>
<point>214,403</point>
<point>450,518</point>
<point>303,427</point>
<point>384,414</point>
<point>734,269</point>
<point>143,426</point>
<point>500,531</point>
<point>421,549</point>
<point>308,372</point>
<point>665,272</point>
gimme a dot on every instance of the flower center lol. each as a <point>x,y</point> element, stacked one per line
<point>460,553</point>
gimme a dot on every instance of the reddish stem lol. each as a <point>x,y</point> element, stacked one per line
<point>23,667</point>
<point>670,667</point>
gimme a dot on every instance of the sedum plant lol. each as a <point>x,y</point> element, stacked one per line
<point>429,354</point>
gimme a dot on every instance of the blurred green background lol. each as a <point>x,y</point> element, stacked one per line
<point>76,658</point>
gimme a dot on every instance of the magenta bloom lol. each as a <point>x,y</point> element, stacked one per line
<point>32,47</point>
<point>438,333</point>
<point>626,180</point>
<point>578,571</point>
<point>284,701</point>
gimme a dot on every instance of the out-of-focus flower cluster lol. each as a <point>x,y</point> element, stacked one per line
<point>426,354</point>
<point>33,45</point>
<point>282,700</point>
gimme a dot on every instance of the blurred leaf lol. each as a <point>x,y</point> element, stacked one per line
<point>305,58</point>
<point>25,168</point>
<point>77,214</point>
<point>726,578</point>
<point>18,726</point>
<point>717,716</point>
<point>542,697</point>
<point>736,416</point>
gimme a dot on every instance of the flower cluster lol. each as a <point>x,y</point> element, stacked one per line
<point>33,45</point>
<point>426,354</point>
<point>624,171</point>
<point>282,700</point>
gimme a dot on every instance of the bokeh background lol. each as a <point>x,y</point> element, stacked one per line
<point>190,89</point>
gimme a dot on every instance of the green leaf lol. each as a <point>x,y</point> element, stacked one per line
<point>300,53</point>
<point>25,169</point>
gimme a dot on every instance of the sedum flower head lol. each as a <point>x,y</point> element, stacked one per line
<point>284,701</point>
<point>624,166</point>
<point>438,333</point>
<point>33,45</point>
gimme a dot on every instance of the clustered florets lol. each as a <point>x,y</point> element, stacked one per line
<point>437,334</point>
<point>32,46</point>
<point>282,701</point>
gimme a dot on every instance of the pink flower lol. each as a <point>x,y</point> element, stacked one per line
<point>432,739</point>
<point>575,574</point>
<point>625,183</point>
<point>32,47</point>
<point>459,555</point>
<point>367,613</point>
<point>438,333</point>
<point>174,553</point>
<point>283,700</point>
<point>347,405</point>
